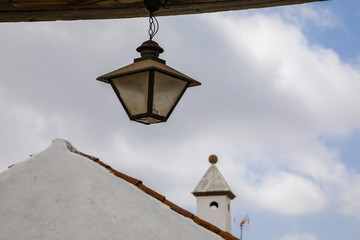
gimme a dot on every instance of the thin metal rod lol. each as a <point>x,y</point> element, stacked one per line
<point>241,229</point>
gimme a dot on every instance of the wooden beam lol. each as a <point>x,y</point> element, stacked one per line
<point>47,10</point>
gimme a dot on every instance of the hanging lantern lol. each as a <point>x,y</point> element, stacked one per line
<point>148,89</point>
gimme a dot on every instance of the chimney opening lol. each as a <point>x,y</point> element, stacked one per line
<point>214,205</point>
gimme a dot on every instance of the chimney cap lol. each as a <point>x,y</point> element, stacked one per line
<point>213,159</point>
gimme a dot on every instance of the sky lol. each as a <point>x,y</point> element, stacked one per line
<point>279,105</point>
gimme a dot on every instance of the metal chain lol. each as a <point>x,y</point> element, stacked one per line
<point>153,26</point>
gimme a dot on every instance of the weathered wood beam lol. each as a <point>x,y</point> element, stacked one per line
<point>46,10</point>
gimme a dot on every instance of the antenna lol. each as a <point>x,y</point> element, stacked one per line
<point>243,221</point>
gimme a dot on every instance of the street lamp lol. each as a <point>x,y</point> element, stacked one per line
<point>148,89</point>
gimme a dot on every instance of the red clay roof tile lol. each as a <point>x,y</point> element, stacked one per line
<point>151,192</point>
<point>227,236</point>
<point>126,177</point>
<point>206,224</point>
<point>178,209</point>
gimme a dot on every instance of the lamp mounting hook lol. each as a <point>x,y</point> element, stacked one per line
<point>154,5</point>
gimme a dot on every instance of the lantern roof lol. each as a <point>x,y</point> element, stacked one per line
<point>145,65</point>
<point>49,10</point>
<point>213,183</point>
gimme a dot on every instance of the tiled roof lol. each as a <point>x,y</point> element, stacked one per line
<point>138,183</point>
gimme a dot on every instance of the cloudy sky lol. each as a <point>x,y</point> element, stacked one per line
<point>279,104</point>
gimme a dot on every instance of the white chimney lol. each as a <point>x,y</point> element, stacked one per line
<point>213,196</point>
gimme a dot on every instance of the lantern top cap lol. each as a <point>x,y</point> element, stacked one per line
<point>150,44</point>
<point>149,49</point>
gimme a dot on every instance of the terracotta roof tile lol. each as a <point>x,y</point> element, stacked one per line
<point>227,236</point>
<point>206,224</point>
<point>178,209</point>
<point>161,198</point>
<point>127,178</point>
<point>151,192</point>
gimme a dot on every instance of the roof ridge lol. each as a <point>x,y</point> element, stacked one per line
<point>138,183</point>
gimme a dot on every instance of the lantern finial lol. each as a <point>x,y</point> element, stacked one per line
<point>150,50</point>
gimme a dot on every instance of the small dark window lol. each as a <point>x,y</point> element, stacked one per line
<point>214,205</point>
<point>229,207</point>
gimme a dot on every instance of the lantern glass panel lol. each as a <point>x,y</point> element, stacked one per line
<point>133,90</point>
<point>167,91</point>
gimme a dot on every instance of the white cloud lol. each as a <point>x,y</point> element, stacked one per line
<point>346,194</point>
<point>322,90</point>
<point>24,130</point>
<point>299,236</point>
<point>322,16</point>
<point>267,96</point>
<point>310,93</point>
<point>285,193</point>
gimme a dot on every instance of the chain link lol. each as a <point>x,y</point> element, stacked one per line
<point>153,26</point>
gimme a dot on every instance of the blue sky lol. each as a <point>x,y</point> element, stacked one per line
<point>346,32</point>
<point>343,39</point>
<point>278,104</point>
<point>348,149</point>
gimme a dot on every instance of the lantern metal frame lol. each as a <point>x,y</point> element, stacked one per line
<point>151,63</point>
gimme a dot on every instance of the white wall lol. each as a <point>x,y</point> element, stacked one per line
<point>220,217</point>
